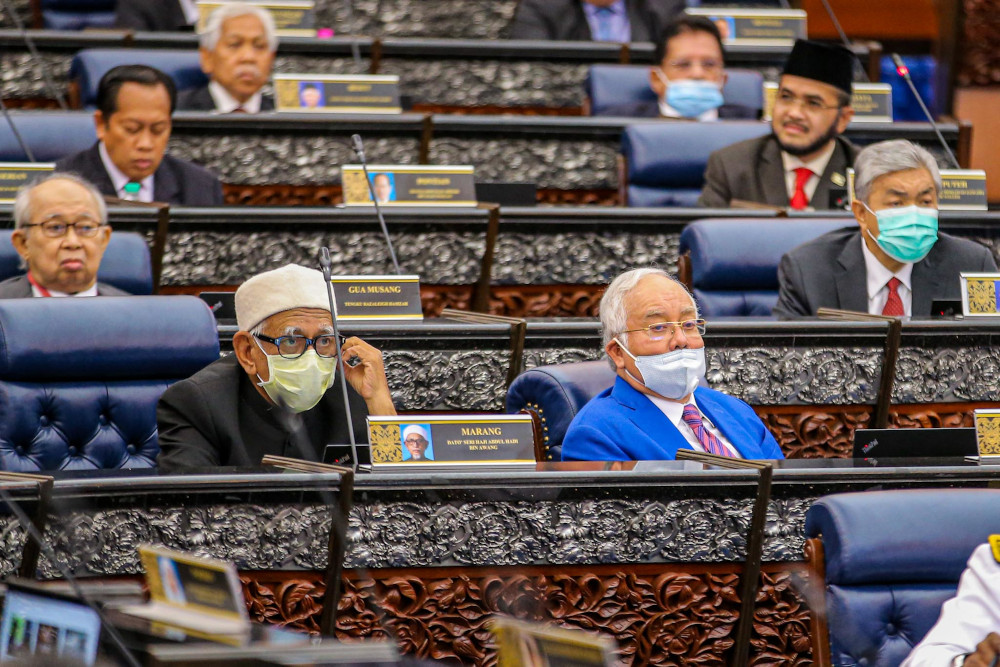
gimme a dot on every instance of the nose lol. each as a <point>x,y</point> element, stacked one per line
<point>71,239</point>
<point>678,340</point>
<point>144,140</point>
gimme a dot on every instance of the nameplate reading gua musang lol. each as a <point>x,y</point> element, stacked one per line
<point>403,185</point>
<point>963,190</point>
<point>987,432</point>
<point>14,175</point>
<point>979,294</point>
<point>359,298</point>
<point>872,102</point>
<point>292,18</point>
<point>337,93</point>
<point>756,27</point>
<point>491,441</point>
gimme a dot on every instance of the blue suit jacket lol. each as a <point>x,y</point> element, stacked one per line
<point>622,424</point>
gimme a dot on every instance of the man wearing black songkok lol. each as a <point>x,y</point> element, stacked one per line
<point>804,157</point>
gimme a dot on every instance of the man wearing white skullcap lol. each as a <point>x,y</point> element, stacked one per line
<point>241,408</point>
<point>415,439</point>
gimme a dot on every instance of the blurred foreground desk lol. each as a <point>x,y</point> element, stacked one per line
<point>650,556</point>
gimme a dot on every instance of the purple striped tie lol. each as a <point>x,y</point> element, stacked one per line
<point>711,444</point>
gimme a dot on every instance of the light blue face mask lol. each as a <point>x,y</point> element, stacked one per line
<point>673,374</point>
<point>906,234</point>
<point>691,97</point>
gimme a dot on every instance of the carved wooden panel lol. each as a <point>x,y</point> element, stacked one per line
<point>684,615</point>
<point>979,61</point>
<point>331,195</point>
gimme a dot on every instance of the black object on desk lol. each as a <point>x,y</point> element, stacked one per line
<point>914,442</point>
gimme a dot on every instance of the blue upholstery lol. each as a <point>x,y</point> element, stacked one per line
<point>77,14</point>
<point>734,261</point>
<point>892,559</point>
<point>556,393</point>
<point>49,134</point>
<point>125,265</point>
<point>80,378</point>
<point>89,65</point>
<point>666,162</point>
<point>610,85</point>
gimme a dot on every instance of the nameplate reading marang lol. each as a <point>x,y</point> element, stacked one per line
<point>292,18</point>
<point>963,190</point>
<point>359,298</point>
<point>872,102</point>
<point>472,441</point>
<point>756,27</point>
<point>979,294</point>
<point>987,432</point>
<point>400,185</point>
<point>329,93</point>
<point>13,175</point>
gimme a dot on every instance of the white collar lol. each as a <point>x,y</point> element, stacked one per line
<point>878,274</point>
<point>226,103</point>
<point>817,165</point>
<point>119,179</point>
<point>674,410</point>
<point>90,291</point>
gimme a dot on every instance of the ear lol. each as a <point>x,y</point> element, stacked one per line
<point>656,83</point>
<point>207,60</point>
<point>99,125</point>
<point>242,348</point>
<point>846,114</point>
<point>20,241</point>
<point>104,237</point>
<point>614,350</point>
<point>724,79</point>
<point>860,214</point>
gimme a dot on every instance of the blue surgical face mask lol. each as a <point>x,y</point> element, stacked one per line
<point>906,234</point>
<point>673,374</point>
<point>690,97</point>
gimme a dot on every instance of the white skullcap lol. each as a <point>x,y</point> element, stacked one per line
<point>291,286</point>
<point>413,428</point>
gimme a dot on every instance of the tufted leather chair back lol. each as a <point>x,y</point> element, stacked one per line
<point>77,14</point>
<point>89,65</point>
<point>50,135</point>
<point>892,559</point>
<point>80,378</point>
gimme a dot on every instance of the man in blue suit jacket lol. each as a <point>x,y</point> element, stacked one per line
<point>653,337</point>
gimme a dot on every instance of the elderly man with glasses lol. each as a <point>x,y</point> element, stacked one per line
<point>653,338</point>
<point>61,232</point>
<point>277,393</point>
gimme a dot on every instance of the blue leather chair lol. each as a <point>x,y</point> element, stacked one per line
<point>80,378</point>
<point>892,558</point>
<point>610,85</point>
<point>731,264</point>
<point>554,394</point>
<point>664,163</point>
<point>125,264</point>
<point>78,14</point>
<point>89,65</point>
<point>49,134</point>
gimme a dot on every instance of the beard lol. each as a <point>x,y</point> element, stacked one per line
<point>799,151</point>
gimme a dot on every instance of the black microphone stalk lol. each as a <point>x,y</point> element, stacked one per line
<point>843,39</point>
<point>904,72</point>
<point>30,43</point>
<point>359,149</point>
<point>325,263</point>
<point>17,134</point>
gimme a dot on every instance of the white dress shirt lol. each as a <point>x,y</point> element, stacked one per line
<point>817,166</point>
<point>119,179</point>
<point>226,103</point>
<point>674,411</point>
<point>878,277</point>
<point>190,10</point>
<point>92,291</point>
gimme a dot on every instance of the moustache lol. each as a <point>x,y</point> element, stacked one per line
<point>247,70</point>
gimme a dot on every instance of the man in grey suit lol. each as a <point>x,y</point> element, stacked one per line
<point>156,15</point>
<point>61,232</point>
<point>894,262</point>
<point>804,158</point>
<point>596,20</point>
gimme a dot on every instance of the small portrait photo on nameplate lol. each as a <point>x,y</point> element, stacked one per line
<point>381,298</point>
<point>496,442</point>
<point>979,294</point>
<point>987,434</point>
<point>404,185</point>
<point>292,18</point>
<point>963,190</point>
<point>756,27</point>
<point>336,93</point>
<point>14,175</point>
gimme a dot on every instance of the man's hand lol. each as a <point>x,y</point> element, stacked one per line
<point>365,372</point>
<point>987,652</point>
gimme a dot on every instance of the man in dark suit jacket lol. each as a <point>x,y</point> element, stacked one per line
<point>156,15</point>
<point>569,20</point>
<point>804,157</point>
<point>237,51</point>
<point>134,106</point>
<point>689,79</point>
<point>894,262</point>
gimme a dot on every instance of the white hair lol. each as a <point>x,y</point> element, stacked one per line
<point>22,201</point>
<point>888,157</point>
<point>231,10</point>
<point>614,317</point>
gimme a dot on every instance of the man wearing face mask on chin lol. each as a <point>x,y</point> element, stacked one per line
<point>278,390</point>
<point>895,262</point>
<point>689,79</point>
<point>653,338</point>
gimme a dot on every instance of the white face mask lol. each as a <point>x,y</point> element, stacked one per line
<point>297,384</point>
<point>673,374</point>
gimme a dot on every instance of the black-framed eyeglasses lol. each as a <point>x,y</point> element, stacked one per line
<point>293,347</point>
<point>55,228</point>
<point>662,330</point>
<point>813,104</point>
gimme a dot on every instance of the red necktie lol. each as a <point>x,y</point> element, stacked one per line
<point>712,445</point>
<point>893,305</point>
<point>799,199</point>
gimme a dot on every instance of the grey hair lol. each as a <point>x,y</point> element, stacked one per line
<point>231,10</point>
<point>887,157</point>
<point>22,201</point>
<point>613,315</point>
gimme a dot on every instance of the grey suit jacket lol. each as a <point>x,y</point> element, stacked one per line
<point>199,99</point>
<point>751,170</point>
<point>175,181</point>
<point>830,272</point>
<point>151,15</point>
<point>18,287</point>
<point>564,20</point>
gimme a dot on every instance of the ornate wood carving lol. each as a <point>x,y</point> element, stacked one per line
<point>979,63</point>
<point>657,617</point>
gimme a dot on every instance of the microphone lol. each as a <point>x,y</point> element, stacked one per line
<point>30,43</point>
<point>359,150</point>
<point>17,134</point>
<point>843,39</point>
<point>904,72</point>
<point>325,263</point>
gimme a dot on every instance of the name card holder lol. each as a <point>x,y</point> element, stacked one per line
<point>963,190</point>
<point>404,185</point>
<point>292,18</point>
<point>872,102</point>
<point>377,298</point>
<point>979,294</point>
<point>756,27</point>
<point>988,435</point>
<point>15,175</point>
<point>522,643</point>
<point>337,93</point>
